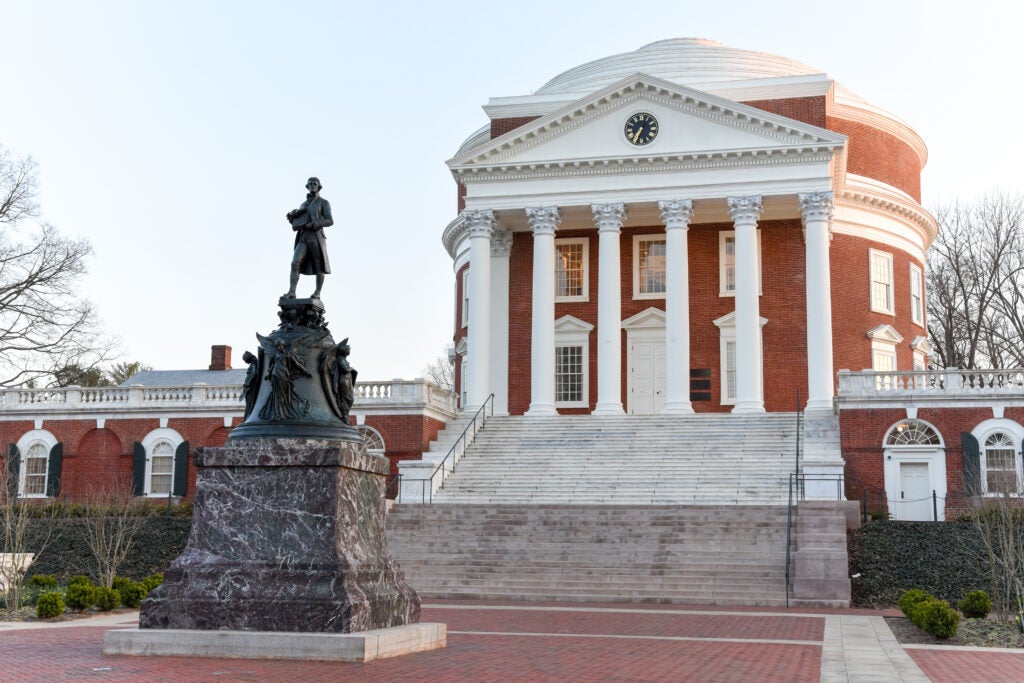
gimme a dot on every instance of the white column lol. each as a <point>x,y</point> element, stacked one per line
<point>744,212</point>
<point>609,219</point>
<point>501,247</point>
<point>480,226</point>
<point>676,215</point>
<point>543,221</point>
<point>816,208</point>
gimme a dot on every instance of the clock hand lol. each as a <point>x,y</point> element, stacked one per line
<point>636,138</point>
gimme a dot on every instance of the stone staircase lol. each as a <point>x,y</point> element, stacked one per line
<point>720,459</point>
<point>721,555</point>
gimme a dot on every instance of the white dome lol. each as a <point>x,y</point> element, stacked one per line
<point>679,60</point>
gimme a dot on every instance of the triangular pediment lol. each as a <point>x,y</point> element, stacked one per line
<point>568,323</point>
<point>647,318</point>
<point>694,127</point>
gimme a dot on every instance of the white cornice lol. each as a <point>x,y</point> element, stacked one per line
<point>866,194</point>
<point>791,135</point>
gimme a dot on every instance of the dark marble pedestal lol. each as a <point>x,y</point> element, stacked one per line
<point>287,535</point>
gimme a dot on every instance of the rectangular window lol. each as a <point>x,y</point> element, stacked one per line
<point>649,267</point>
<point>569,375</point>
<point>916,295</point>
<point>881,282</point>
<point>1001,470</point>
<point>35,470</point>
<point>571,269</point>
<point>727,262</point>
<point>161,469</point>
<point>465,298</point>
<point>729,385</point>
<point>883,361</point>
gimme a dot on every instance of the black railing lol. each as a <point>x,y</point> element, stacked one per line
<point>797,493</point>
<point>458,448</point>
<point>391,488</point>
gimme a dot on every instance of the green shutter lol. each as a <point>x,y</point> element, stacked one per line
<point>13,470</point>
<point>138,470</point>
<point>53,468</point>
<point>972,464</point>
<point>181,468</point>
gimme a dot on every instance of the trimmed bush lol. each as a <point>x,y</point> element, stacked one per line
<point>911,598</point>
<point>119,583</point>
<point>80,596</point>
<point>49,605</point>
<point>80,579</point>
<point>132,593</point>
<point>152,581</point>
<point>41,581</point>
<point>938,618</point>
<point>107,598</point>
<point>975,605</point>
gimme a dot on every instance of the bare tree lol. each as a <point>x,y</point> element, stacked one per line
<point>113,518</point>
<point>441,371</point>
<point>25,532</point>
<point>44,323</point>
<point>1000,524</point>
<point>975,268</point>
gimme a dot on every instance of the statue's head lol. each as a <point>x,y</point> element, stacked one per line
<point>248,357</point>
<point>313,184</point>
<point>343,348</point>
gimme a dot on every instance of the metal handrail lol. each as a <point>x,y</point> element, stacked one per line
<point>465,438</point>
<point>392,486</point>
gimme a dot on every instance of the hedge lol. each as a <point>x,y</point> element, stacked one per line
<point>160,540</point>
<point>942,558</point>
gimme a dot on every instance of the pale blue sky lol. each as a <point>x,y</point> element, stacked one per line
<point>175,135</point>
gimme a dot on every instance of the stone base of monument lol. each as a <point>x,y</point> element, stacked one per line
<point>287,538</point>
<point>365,646</point>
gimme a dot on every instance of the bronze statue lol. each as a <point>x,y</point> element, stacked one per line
<point>310,255</point>
<point>284,366</point>
<point>251,385</point>
<point>339,379</point>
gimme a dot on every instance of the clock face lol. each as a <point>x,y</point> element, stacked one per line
<point>641,128</point>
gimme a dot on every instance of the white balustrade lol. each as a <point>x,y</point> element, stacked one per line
<point>937,384</point>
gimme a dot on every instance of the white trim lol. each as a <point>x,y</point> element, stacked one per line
<point>986,429</point>
<point>585,256</point>
<point>569,332</point>
<point>363,428</point>
<point>917,278</point>
<point>464,318</point>
<point>727,333</point>
<point>149,442</point>
<point>27,440</point>
<point>884,259</point>
<point>723,237</point>
<point>648,237</point>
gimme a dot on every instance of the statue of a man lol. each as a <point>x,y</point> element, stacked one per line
<point>310,255</point>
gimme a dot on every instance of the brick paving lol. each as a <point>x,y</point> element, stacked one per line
<point>521,642</point>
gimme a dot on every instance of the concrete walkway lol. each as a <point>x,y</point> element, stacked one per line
<point>557,642</point>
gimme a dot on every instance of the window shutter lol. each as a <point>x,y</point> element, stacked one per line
<point>13,470</point>
<point>53,468</point>
<point>181,469</point>
<point>972,464</point>
<point>138,470</point>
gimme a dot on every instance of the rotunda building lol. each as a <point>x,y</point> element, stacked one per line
<point>688,227</point>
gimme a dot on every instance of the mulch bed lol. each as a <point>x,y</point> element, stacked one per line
<point>972,632</point>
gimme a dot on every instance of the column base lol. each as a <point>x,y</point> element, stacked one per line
<point>748,407</point>
<point>680,408</point>
<point>608,409</point>
<point>541,410</point>
<point>820,406</point>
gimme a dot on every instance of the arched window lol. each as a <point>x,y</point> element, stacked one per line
<point>161,464</point>
<point>1001,464</point>
<point>37,464</point>
<point>372,439</point>
<point>912,433</point>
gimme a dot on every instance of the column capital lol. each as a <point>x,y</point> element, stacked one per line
<point>816,206</point>
<point>609,217</point>
<point>544,220</point>
<point>479,222</point>
<point>501,243</point>
<point>744,209</point>
<point>676,213</point>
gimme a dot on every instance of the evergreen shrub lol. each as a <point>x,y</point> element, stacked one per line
<point>107,598</point>
<point>938,618</point>
<point>41,581</point>
<point>152,581</point>
<point>132,593</point>
<point>975,605</point>
<point>80,579</point>
<point>80,596</point>
<point>49,605</point>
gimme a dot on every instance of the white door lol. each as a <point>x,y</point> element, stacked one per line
<point>646,376</point>
<point>915,502</point>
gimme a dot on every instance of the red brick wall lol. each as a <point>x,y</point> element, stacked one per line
<point>807,109</point>
<point>405,437</point>
<point>851,303</point>
<point>879,155</point>
<point>501,126</point>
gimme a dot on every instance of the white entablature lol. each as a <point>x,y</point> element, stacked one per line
<point>712,147</point>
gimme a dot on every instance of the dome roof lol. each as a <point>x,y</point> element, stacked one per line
<point>680,60</point>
